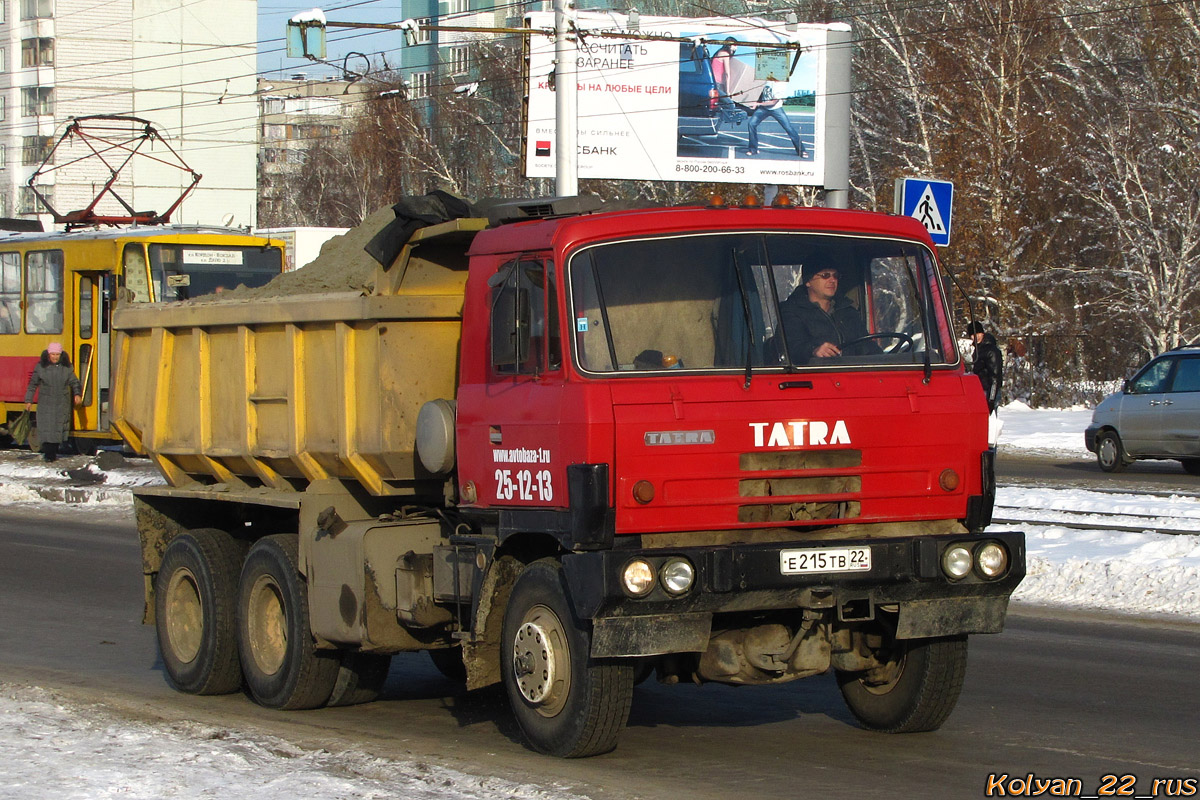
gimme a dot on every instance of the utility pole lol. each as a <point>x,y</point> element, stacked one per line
<point>566,85</point>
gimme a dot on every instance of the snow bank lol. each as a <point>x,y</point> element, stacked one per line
<point>52,748</point>
<point>1042,431</point>
<point>1136,573</point>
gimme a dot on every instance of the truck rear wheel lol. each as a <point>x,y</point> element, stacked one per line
<point>195,611</point>
<point>360,679</point>
<point>566,703</point>
<point>282,667</point>
<point>915,691</point>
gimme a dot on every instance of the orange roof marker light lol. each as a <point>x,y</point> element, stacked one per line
<point>751,201</point>
<point>716,200</point>
<point>782,200</point>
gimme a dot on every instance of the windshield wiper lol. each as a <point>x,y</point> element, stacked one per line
<point>737,271</point>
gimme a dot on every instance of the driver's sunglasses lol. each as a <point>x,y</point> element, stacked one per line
<point>827,275</point>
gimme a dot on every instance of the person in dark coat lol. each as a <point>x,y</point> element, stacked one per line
<point>988,363</point>
<point>817,321</point>
<point>55,384</point>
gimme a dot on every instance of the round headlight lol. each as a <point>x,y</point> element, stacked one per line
<point>638,577</point>
<point>956,561</point>
<point>992,560</point>
<point>677,575</point>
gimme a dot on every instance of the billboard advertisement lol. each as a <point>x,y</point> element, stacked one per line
<point>696,100</point>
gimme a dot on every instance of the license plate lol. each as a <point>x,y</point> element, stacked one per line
<point>832,559</point>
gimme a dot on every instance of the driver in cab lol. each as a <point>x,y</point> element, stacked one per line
<point>817,322</point>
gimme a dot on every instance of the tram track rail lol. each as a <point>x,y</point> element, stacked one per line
<point>1124,522</point>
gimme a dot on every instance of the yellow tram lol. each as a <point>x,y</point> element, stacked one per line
<point>61,287</point>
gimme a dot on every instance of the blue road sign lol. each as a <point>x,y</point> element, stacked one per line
<point>928,202</point>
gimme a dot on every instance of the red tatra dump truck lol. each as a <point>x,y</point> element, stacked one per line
<point>564,449</point>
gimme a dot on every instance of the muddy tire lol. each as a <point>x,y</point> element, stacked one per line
<point>195,594</point>
<point>360,679</point>
<point>918,693</point>
<point>1110,453</point>
<point>449,662</point>
<point>566,703</point>
<point>280,662</point>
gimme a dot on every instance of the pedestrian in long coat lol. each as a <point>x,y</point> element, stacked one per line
<point>55,384</point>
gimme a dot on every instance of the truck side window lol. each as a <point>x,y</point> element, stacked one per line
<point>519,320</point>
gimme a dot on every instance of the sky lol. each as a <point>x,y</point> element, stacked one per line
<point>272,20</point>
<point>52,747</point>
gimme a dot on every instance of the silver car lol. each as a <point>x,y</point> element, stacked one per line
<point>1155,415</point>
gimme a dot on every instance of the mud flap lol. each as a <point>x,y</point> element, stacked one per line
<point>921,619</point>
<point>650,635</point>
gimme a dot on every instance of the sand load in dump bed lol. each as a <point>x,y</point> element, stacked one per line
<point>316,375</point>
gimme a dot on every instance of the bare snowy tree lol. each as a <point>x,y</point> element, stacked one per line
<point>1139,155</point>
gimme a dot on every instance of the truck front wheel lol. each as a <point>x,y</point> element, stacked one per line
<point>194,611</point>
<point>567,703</point>
<point>282,667</point>
<point>916,688</point>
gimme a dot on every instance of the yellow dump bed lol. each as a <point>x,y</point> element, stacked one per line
<point>279,391</point>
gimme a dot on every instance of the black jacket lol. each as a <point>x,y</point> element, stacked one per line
<point>989,366</point>
<point>807,326</point>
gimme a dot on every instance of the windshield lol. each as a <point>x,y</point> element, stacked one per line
<point>182,271</point>
<point>718,301</point>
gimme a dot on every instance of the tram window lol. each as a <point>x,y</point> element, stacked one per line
<point>137,281</point>
<point>85,308</point>
<point>10,293</point>
<point>84,363</point>
<point>44,291</point>
<point>180,272</point>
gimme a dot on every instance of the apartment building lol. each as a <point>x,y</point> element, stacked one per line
<point>443,58</point>
<point>186,66</point>
<point>295,113</point>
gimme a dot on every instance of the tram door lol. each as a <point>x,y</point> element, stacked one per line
<point>92,308</point>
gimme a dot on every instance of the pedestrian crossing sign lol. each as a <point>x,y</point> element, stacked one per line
<point>929,202</point>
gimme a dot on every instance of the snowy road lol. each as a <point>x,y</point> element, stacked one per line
<point>58,743</point>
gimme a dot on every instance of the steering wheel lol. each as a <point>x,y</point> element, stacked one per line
<point>906,341</point>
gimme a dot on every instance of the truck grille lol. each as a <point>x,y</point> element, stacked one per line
<point>808,497</point>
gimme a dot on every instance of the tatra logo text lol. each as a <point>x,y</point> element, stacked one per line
<point>680,437</point>
<point>800,433</point>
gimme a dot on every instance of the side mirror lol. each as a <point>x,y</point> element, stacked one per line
<point>1126,386</point>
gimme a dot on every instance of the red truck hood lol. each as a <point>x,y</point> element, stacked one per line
<point>793,450</point>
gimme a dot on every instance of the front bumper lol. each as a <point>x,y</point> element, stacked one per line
<point>1089,437</point>
<point>905,573</point>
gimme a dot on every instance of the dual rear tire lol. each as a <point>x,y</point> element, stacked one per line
<point>228,616</point>
<point>280,662</point>
<point>195,608</point>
